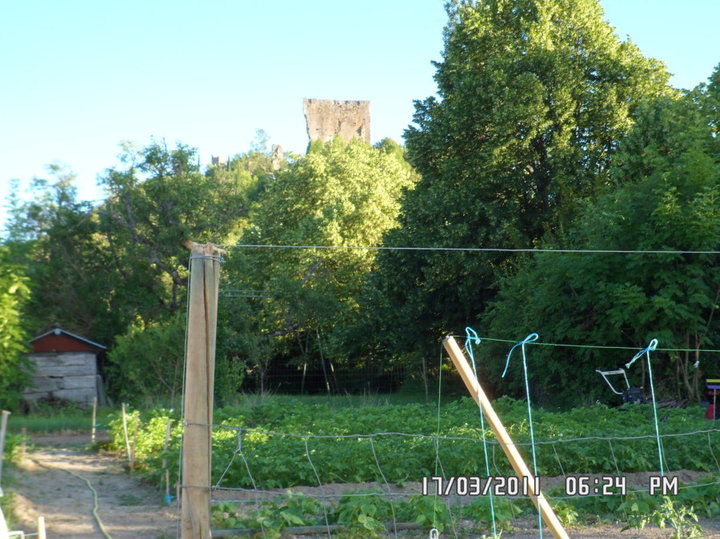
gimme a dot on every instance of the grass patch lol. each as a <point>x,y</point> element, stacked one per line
<point>61,419</point>
<point>7,505</point>
<point>410,393</point>
<point>7,500</point>
<point>129,499</point>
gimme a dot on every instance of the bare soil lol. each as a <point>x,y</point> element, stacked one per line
<point>43,486</point>
<point>129,509</point>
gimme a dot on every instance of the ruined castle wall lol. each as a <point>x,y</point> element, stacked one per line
<point>329,118</point>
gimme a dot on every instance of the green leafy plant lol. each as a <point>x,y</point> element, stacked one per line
<point>428,511</point>
<point>364,511</point>
<point>293,509</point>
<point>681,518</point>
<point>11,450</point>
<point>566,513</point>
<point>480,512</point>
<point>7,501</point>
<point>345,451</point>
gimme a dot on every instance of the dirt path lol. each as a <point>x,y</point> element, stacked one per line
<point>127,508</point>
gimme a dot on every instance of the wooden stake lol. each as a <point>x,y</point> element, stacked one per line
<point>136,419</point>
<point>94,418</point>
<point>3,430</point>
<point>127,437</point>
<point>41,528</point>
<point>199,386</point>
<point>168,427</point>
<point>506,443</point>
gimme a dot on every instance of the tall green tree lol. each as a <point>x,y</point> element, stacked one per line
<point>56,237</point>
<point>707,97</point>
<point>533,96</point>
<point>246,175</point>
<point>339,194</point>
<point>667,172</point>
<point>120,267</point>
<point>155,204</point>
<point>95,269</point>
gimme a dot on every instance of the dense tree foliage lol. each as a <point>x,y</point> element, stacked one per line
<point>533,96</point>
<point>95,268</point>
<point>71,276</point>
<point>13,295</point>
<point>156,204</point>
<point>667,198</point>
<point>117,271</point>
<point>340,194</point>
<point>106,269</point>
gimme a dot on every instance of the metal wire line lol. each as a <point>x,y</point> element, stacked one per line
<point>406,494</point>
<point>452,438</point>
<point>474,249</point>
<point>596,346</point>
<point>276,493</point>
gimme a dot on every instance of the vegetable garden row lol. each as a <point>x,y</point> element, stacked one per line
<point>283,443</point>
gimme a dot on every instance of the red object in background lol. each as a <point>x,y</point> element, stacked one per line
<point>60,340</point>
<point>710,412</point>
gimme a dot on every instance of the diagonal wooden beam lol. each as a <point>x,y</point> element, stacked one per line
<point>506,443</point>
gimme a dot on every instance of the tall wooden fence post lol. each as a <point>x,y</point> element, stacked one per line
<point>199,385</point>
<point>506,443</point>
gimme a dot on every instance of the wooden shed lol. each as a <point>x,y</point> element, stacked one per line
<point>65,367</point>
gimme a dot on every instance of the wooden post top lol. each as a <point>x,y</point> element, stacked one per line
<point>207,249</point>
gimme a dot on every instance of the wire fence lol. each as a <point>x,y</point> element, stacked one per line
<point>254,466</point>
<point>361,465</point>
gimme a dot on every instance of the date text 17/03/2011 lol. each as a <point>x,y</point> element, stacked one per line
<point>497,485</point>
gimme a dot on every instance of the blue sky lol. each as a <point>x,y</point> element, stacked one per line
<point>79,77</point>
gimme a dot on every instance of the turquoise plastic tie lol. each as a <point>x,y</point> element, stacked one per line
<point>470,339</point>
<point>646,351</point>
<point>530,338</point>
<point>649,348</point>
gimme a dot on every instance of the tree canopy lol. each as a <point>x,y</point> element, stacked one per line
<point>667,198</point>
<point>339,194</point>
<point>71,276</point>
<point>533,97</point>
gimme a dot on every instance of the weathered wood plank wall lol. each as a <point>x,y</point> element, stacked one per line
<point>67,375</point>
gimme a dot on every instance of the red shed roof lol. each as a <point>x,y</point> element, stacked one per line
<point>60,340</point>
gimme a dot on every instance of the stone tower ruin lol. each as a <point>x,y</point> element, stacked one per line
<point>327,119</point>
